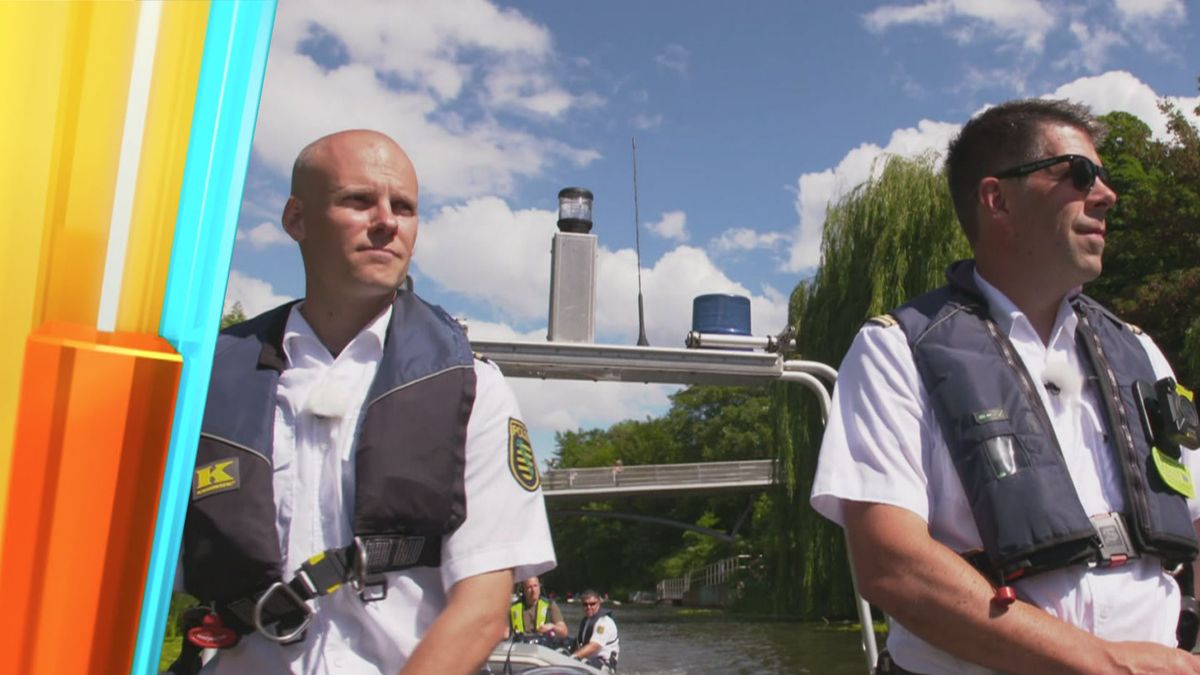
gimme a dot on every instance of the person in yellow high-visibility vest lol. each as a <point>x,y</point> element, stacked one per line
<point>535,614</point>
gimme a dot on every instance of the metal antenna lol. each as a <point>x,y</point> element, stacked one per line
<point>637,230</point>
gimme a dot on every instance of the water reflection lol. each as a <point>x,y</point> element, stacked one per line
<point>659,640</point>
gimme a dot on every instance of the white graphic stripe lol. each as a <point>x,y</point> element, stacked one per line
<point>149,14</point>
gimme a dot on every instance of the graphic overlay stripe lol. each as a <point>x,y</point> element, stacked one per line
<point>226,108</point>
<point>149,15</point>
<point>160,171</point>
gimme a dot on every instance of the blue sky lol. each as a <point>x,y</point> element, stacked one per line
<point>749,118</point>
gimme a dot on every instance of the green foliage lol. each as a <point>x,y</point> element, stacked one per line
<point>705,423</point>
<point>1152,258</point>
<point>235,315</point>
<point>173,637</point>
<point>888,240</point>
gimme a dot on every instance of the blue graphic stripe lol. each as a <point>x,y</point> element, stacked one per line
<point>226,108</point>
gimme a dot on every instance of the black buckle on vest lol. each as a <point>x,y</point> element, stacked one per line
<point>1116,547</point>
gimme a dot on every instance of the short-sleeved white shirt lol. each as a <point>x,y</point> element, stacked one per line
<point>604,633</point>
<point>505,527</point>
<point>882,444</point>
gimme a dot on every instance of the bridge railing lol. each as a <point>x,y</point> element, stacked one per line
<point>699,473</point>
<point>714,574</point>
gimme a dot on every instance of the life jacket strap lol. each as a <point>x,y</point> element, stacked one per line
<point>281,612</point>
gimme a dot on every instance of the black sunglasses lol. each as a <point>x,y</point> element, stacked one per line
<point>1083,170</point>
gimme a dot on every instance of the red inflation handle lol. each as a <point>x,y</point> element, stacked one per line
<point>1005,596</point>
<point>212,634</point>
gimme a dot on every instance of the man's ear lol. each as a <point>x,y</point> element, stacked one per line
<point>293,219</point>
<point>991,197</point>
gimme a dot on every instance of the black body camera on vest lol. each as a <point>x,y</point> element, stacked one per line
<point>1168,416</point>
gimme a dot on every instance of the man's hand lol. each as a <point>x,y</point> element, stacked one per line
<point>474,621</point>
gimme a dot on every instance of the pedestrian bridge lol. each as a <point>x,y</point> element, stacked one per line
<point>700,478</point>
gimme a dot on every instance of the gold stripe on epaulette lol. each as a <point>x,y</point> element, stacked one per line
<point>885,320</point>
<point>1137,330</point>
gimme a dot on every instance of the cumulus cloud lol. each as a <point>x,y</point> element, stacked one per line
<point>1114,90</point>
<point>255,295</point>
<point>263,235</point>
<point>672,225</point>
<point>1120,90</point>
<point>816,190</point>
<point>746,239</point>
<point>438,91</point>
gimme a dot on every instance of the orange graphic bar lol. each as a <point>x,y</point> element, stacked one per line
<point>93,424</point>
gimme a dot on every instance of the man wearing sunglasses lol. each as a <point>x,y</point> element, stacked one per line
<point>597,637</point>
<point>1002,498</point>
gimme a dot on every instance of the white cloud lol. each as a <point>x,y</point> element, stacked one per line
<point>1114,90</point>
<point>1119,90</point>
<point>263,235</point>
<point>1094,45</point>
<point>563,405</point>
<point>1151,10</point>
<point>672,225</point>
<point>674,58</point>
<point>818,189</point>
<point>746,239</point>
<point>485,251</point>
<point>416,89</point>
<point>255,295</point>
<point>1022,21</point>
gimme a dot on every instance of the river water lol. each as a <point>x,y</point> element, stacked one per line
<point>663,640</point>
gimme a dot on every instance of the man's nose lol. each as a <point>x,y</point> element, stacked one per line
<point>1102,195</point>
<point>383,216</point>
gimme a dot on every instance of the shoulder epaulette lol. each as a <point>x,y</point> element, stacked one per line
<point>885,320</point>
<point>1137,330</point>
<point>483,358</point>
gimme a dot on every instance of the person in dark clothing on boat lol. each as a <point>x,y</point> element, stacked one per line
<point>598,640</point>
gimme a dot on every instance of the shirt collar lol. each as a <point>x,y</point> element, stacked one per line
<point>298,330</point>
<point>1010,319</point>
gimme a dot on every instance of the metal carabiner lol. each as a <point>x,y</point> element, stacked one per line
<point>296,600</point>
<point>358,572</point>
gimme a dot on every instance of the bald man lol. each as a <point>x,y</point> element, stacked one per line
<point>365,489</point>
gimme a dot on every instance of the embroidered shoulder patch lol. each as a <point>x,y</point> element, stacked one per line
<point>521,461</point>
<point>219,476</point>
<point>600,629</point>
<point>885,320</point>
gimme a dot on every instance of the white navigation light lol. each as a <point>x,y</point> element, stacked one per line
<point>575,210</point>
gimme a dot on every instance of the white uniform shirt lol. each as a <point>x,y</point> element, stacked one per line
<point>883,444</point>
<point>604,633</point>
<point>316,418</point>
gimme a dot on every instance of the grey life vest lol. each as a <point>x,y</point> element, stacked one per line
<point>409,463</point>
<point>1028,513</point>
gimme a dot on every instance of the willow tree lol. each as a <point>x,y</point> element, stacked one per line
<point>887,240</point>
